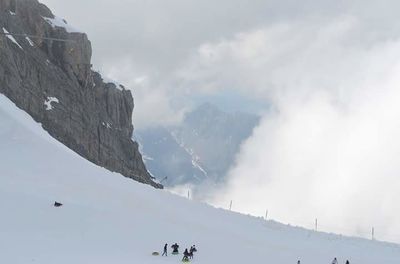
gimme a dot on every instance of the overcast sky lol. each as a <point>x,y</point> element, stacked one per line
<point>327,147</point>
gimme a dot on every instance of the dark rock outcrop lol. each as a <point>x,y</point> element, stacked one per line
<point>54,82</point>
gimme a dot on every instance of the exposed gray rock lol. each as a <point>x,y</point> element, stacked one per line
<point>7,5</point>
<point>54,83</point>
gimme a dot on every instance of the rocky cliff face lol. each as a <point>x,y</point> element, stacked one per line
<point>54,82</point>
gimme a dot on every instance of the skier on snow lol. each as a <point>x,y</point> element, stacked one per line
<point>347,262</point>
<point>191,251</point>
<point>334,261</point>
<point>165,250</point>
<point>175,248</point>
<point>185,255</point>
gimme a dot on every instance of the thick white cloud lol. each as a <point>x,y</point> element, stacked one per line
<point>328,147</point>
<point>158,38</point>
<point>158,105</point>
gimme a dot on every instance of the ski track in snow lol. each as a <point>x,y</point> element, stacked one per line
<point>107,218</point>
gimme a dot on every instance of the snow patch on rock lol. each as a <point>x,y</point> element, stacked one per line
<point>117,85</point>
<point>107,125</point>
<point>30,41</point>
<point>61,23</point>
<point>108,80</point>
<point>11,38</point>
<point>195,158</point>
<point>49,101</point>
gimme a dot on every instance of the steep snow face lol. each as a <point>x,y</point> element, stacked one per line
<point>108,219</point>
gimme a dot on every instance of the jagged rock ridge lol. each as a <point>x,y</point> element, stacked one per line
<point>54,82</point>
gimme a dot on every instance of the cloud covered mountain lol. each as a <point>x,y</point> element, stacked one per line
<point>201,149</point>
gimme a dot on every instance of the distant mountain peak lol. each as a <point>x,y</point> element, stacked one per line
<point>200,149</point>
<point>205,110</point>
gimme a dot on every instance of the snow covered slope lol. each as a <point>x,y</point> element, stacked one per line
<point>108,219</point>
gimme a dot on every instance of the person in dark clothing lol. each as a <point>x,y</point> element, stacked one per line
<point>175,248</point>
<point>191,251</point>
<point>298,262</point>
<point>185,255</point>
<point>347,262</point>
<point>165,250</point>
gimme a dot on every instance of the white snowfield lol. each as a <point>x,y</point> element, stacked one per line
<point>106,218</point>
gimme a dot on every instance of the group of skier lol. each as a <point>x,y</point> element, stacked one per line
<point>334,261</point>
<point>187,254</point>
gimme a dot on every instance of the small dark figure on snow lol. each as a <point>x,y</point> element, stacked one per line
<point>334,261</point>
<point>165,250</point>
<point>298,262</point>
<point>185,255</point>
<point>175,248</point>
<point>191,251</point>
<point>57,204</point>
<point>347,262</point>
